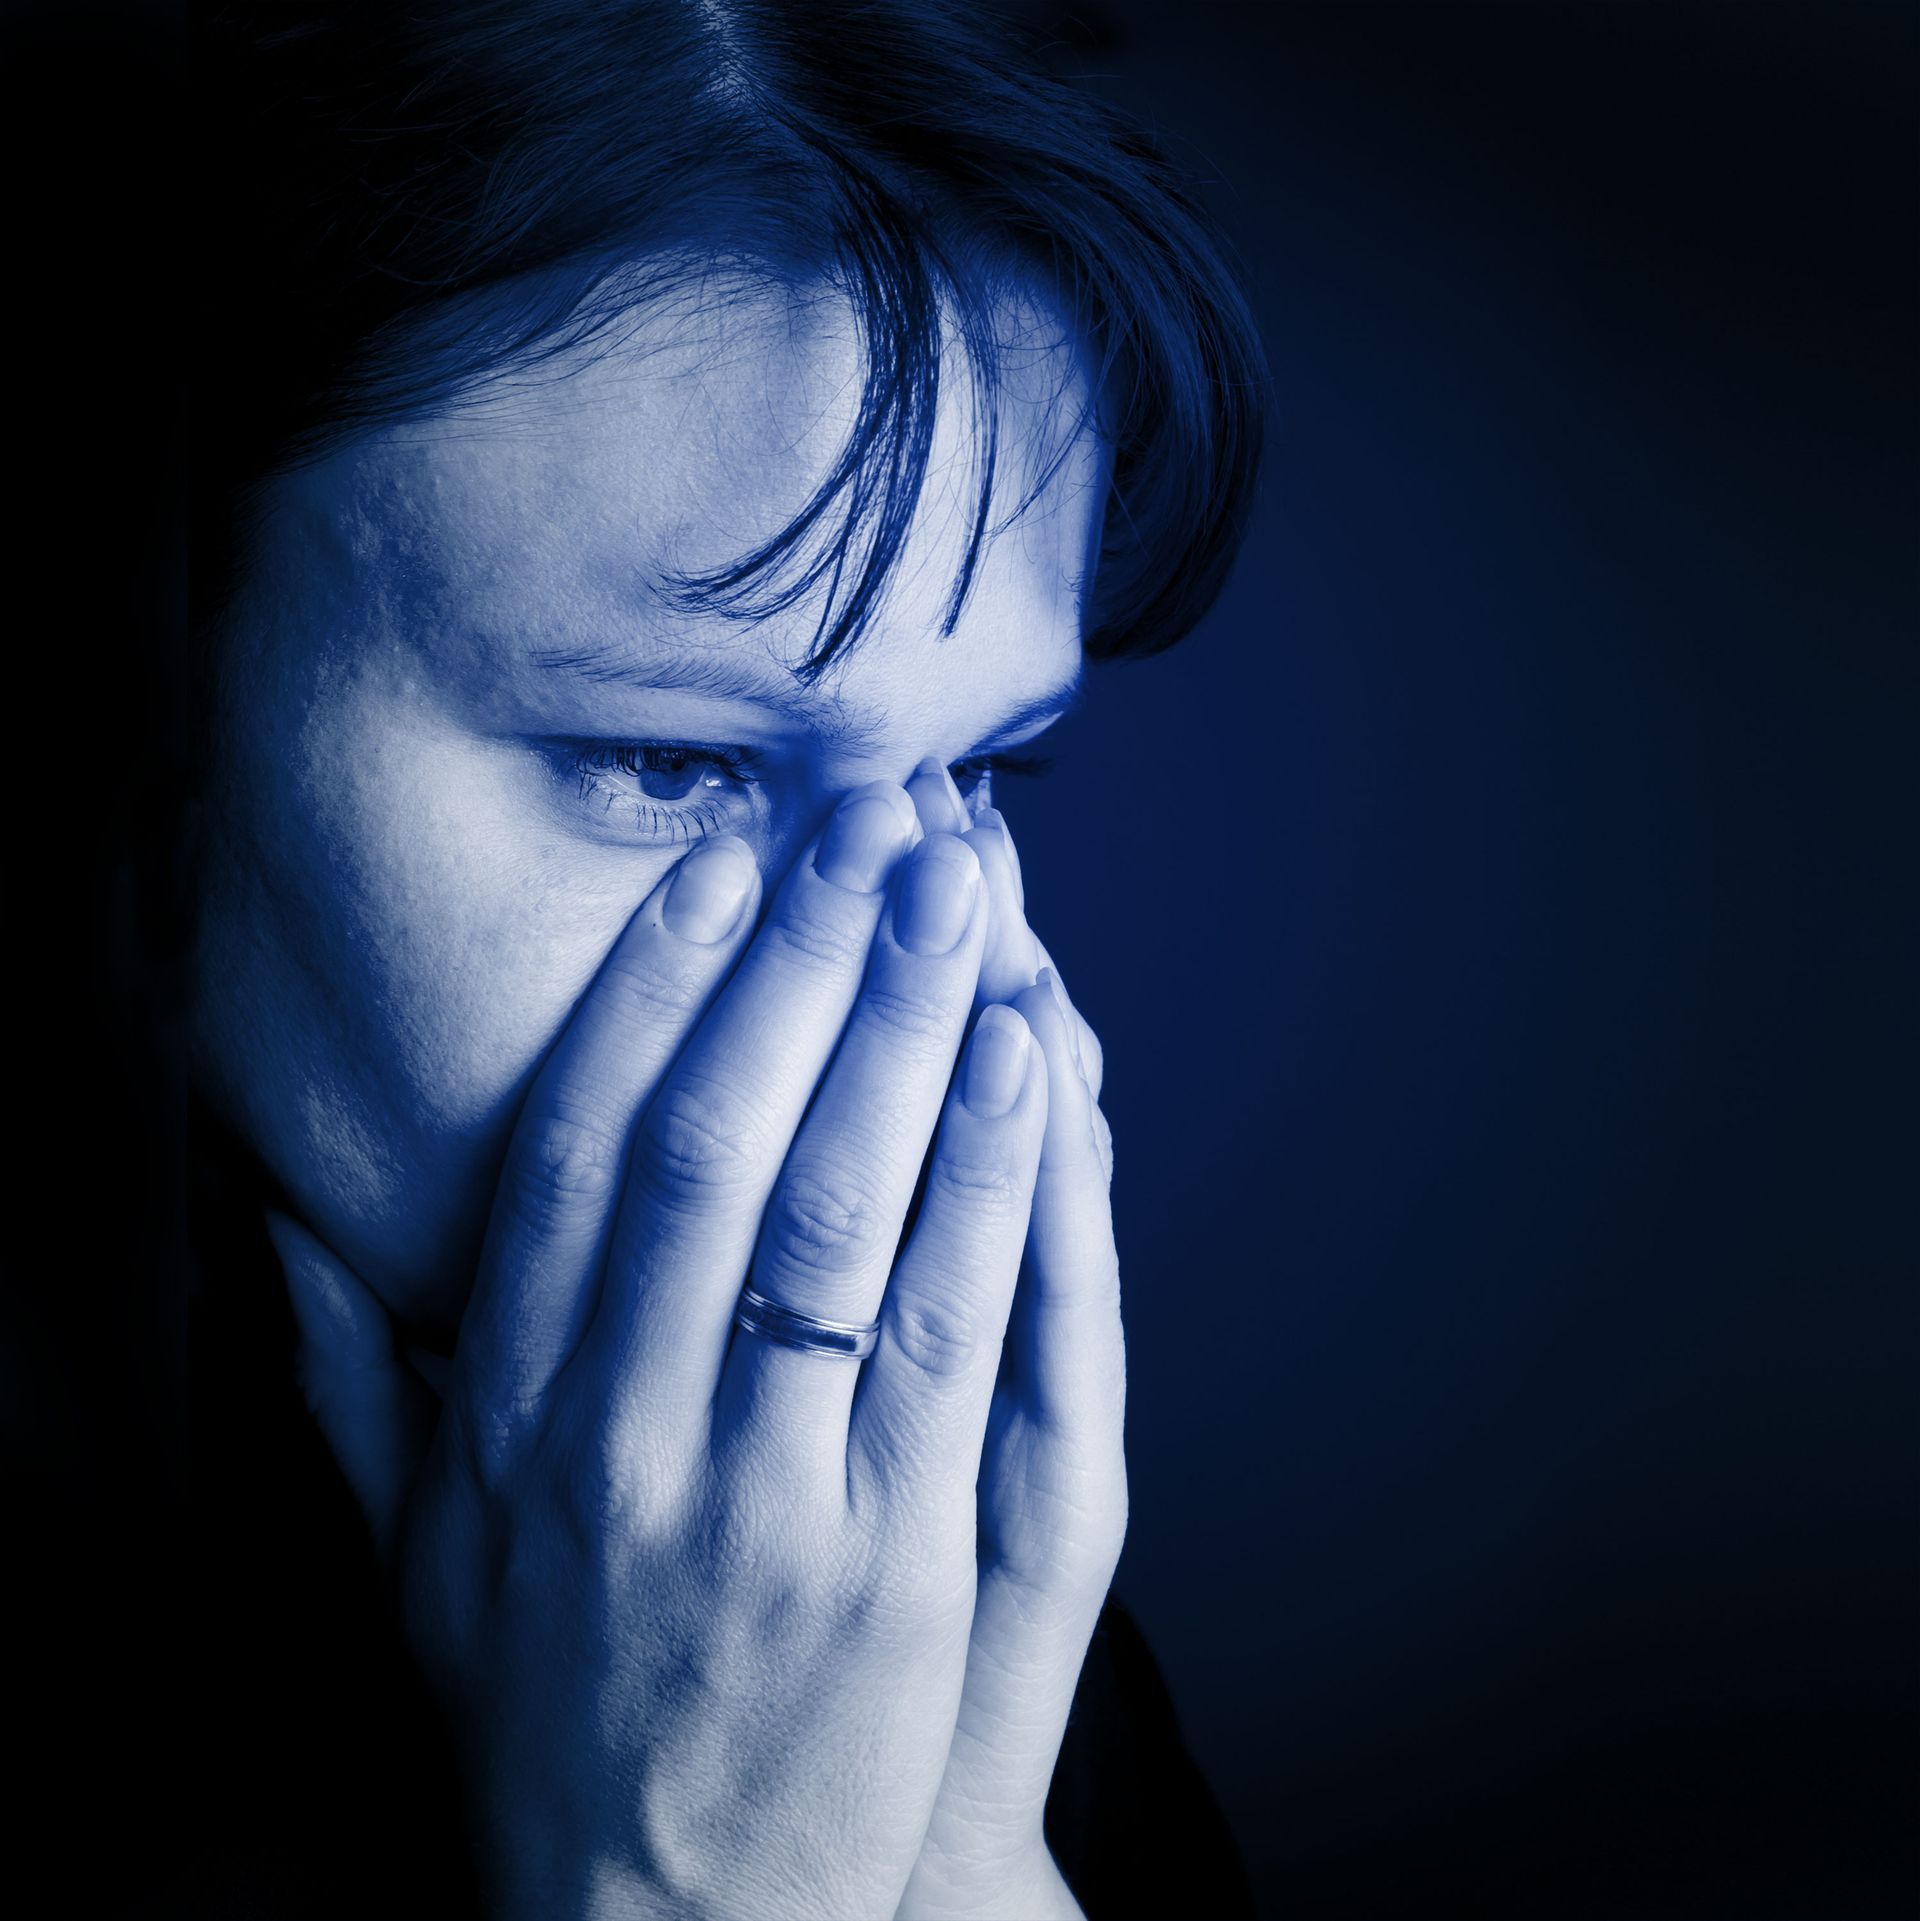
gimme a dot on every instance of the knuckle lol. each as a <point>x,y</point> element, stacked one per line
<point>638,982</point>
<point>700,1134</point>
<point>977,1183</point>
<point>922,1019</point>
<point>490,1442</point>
<point>1105,1534</point>
<point>566,1157</point>
<point>803,934</point>
<point>628,1474</point>
<point>936,1334</point>
<point>593,1496</point>
<point>755,1539</point>
<point>1067,1539</point>
<point>825,1217</point>
<point>1053,1577</point>
<point>1089,1519</point>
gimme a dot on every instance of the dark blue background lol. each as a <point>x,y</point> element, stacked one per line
<point>1495,915</point>
<point>1491,915</point>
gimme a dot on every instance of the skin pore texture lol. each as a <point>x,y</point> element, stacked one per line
<point>421,844</point>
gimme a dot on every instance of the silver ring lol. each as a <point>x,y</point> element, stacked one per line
<point>758,1315</point>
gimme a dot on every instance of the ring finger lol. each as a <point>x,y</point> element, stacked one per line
<point>710,1144</point>
<point>832,1228</point>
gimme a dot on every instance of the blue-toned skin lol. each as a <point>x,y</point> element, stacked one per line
<point>722,1627</point>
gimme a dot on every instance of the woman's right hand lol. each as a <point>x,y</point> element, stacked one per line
<point>699,1613</point>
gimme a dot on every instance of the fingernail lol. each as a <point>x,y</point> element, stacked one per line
<point>936,798</point>
<point>996,1062</point>
<point>937,889</point>
<point>992,817</point>
<point>981,796</point>
<point>865,837</point>
<point>708,891</point>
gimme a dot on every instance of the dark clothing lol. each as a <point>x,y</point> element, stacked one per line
<point>328,1787</point>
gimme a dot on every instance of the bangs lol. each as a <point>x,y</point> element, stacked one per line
<point>917,320</point>
<point>898,154</point>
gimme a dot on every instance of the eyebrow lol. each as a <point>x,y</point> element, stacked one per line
<point>737,676</point>
<point>1055,704</point>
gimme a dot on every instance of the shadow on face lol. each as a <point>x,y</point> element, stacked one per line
<point>465,725</point>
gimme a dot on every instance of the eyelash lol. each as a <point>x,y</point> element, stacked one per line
<point>672,822</point>
<point>1027,766</point>
<point>667,821</point>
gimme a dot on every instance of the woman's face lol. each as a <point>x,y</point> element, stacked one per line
<point>431,813</point>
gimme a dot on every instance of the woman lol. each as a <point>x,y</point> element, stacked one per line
<point>656,462</point>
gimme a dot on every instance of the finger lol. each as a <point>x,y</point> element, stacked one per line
<point>1053,1497</point>
<point>1103,1139</point>
<point>711,1141</point>
<point>832,1229</point>
<point>936,799</point>
<point>1068,1353</point>
<point>559,1187</point>
<point>920,1411</point>
<point>1015,954</point>
<point>1090,1055</point>
<point>377,1417</point>
<point>1010,962</point>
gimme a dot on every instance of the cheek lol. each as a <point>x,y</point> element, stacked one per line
<point>467,925</point>
<point>394,929</point>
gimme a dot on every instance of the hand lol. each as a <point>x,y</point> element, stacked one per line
<point>1053,1490</point>
<point>699,1611</point>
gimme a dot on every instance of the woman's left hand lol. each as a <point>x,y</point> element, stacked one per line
<point>1053,1486</point>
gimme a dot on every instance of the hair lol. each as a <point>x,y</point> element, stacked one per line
<point>405,201</point>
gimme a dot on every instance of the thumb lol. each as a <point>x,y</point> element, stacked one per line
<point>376,1414</point>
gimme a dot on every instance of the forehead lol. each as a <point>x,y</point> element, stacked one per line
<point>548,518</point>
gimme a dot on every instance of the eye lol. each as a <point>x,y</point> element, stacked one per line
<point>974,775</point>
<point>666,790</point>
<point>669,770</point>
